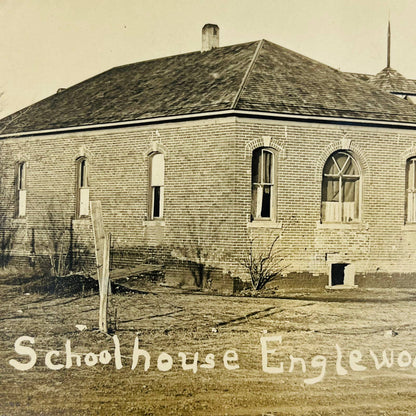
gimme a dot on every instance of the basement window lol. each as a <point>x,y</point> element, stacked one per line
<point>337,274</point>
<point>157,182</point>
<point>21,190</point>
<point>83,191</point>
<point>342,274</point>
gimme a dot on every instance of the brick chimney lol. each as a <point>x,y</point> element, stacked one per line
<point>210,37</point>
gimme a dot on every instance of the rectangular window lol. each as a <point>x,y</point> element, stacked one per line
<point>21,190</point>
<point>156,212</point>
<point>262,179</point>
<point>157,182</point>
<point>411,190</point>
<point>83,189</point>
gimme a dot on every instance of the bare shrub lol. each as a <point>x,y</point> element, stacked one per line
<point>65,253</point>
<point>5,246</point>
<point>264,265</point>
<point>197,248</point>
<point>7,208</point>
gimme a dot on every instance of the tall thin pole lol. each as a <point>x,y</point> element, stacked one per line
<point>388,46</point>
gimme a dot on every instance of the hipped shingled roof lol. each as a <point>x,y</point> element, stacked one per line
<point>392,81</point>
<point>256,76</point>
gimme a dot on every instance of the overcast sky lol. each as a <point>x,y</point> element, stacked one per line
<point>48,44</point>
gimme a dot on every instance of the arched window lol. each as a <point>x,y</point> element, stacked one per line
<point>262,184</point>
<point>83,191</point>
<point>411,190</point>
<point>341,189</point>
<point>157,182</point>
<point>21,190</point>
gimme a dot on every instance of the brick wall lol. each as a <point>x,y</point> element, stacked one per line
<point>208,194</point>
<point>380,242</point>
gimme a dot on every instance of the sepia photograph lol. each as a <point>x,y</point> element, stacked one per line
<point>207,207</point>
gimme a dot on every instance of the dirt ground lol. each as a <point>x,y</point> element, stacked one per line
<point>340,335</point>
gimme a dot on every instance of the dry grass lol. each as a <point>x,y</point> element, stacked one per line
<point>168,320</point>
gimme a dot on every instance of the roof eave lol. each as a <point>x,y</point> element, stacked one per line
<point>221,113</point>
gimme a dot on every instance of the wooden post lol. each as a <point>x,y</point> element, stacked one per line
<point>99,235</point>
<point>105,282</point>
<point>108,237</point>
<point>102,258</point>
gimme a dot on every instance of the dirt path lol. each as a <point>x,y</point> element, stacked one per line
<point>320,328</point>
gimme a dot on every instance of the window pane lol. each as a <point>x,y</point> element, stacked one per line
<point>349,190</point>
<point>341,158</point>
<point>157,170</point>
<point>156,202</point>
<point>411,207</point>
<point>330,191</point>
<point>267,167</point>
<point>255,166</point>
<point>84,202</point>
<point>348,211</point>
<point>411,190</point>
<point>331,168</point>
<point>22,176</point>
<point>254,203</point>
<point>351,168</point>
<point>411,175</point>
<point>265,207</point>
<point>331,211</point>
<point>414,173</point>
<point>82,174</point>
<point>22,203</point>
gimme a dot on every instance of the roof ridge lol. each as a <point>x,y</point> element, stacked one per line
<point>247,74</point>
<point>178,55</point>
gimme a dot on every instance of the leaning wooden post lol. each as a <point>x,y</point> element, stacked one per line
<point>102,258</point>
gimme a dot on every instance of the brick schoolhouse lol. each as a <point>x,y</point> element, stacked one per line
<point>194,155</point>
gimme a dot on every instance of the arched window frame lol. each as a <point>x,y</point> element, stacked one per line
<point>82,186</point>
<point>335,208</point>
<point>263,184</point>
<point>156,185</point>
<point>411,190</point>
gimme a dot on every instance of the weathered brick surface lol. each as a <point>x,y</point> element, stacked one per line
<point>208,194</point>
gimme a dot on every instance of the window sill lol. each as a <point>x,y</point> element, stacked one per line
<point>264,224</point>
<point>409,226</point>
<point>341,225</point>
<point>154,223</point>
<point>81,220</point>
<point>20,220</point>
<point>341,287</point>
